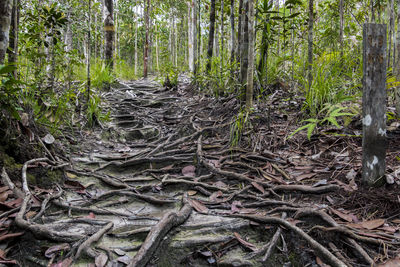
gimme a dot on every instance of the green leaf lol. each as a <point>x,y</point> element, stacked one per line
<point>7,69</point>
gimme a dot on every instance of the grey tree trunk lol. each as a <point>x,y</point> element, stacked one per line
<point>5,21</point>
<point>222,35</point>
<point>211,36</point>
<point>374,141</point>
<point>372,11</point>
<point>13,44</point>
<point>396,67</point>
<point>194,35</point>
<point>233,44</point>
<point>68,33</point>
<point>190,37</point>
<point>109,33</point>
<point>245,45</point>
<point>250,71</point>
<point>146,44</point>
<point>88,52</point>
<point>136,43</point>
<point>240,32</point>
<point>391,32</point>
<point>310,41</point>
<point>341,14</point>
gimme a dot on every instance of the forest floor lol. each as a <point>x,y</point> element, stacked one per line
<point>161,185</point>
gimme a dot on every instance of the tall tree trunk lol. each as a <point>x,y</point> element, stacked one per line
<point>199,37</point>
<point>190,37</point>
<point>397,61</point>
<point>88,52</point>
<point>136,42</point>
<point>68,32</point>
<point>211,36</point>
<point>194,35</point>
<point>341,14</point>
<point>157,59</point>
<point>176,44</point>
<point>372,11</point>
<point>310,41</point>
<point>5,21</point>
<point>240,32</point>
<point>222,35</point>
<point>146,44</point>
<point>233,44</point>
<point>13,45</point>
<point>250,71</point>
<point>109,33</point>
<point>391,32</point>
<point>245,47</point>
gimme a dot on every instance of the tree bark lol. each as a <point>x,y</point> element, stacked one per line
<point>391,32</point>
<point>222,35</point>
<point>211,36</point>
<point>146,44</point>
<point>194,35</point>
<point>396,67</point>
<point>13,45</point>
<point>250,71</point>
<point>109,35</point>
<point>136,43</point>
<point>190,37</point>
<point>310,41</point>
<point>233,44</point>
<point>240,32</point>
<point>341,14</point>
<point>5,21</point>
<point>245,45</point>
<point>88,53</point>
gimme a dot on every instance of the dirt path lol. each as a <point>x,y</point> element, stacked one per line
<point>160,185</point>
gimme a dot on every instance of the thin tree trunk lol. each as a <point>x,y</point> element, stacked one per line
<point>222,35</point>
<point>240,32</point>
<point>245,47</point>
<point>176,45</point>
<point>233,44</point>
<point>199,37</point>
<point>391,32</point>
<point>13,45</point>
<point>372,11</point>
<point>194,35</point>
<point>157,60</point>
<point>397,61</point>
<point>109,33</point>
<point>250,71</point>
<point>190,37</point>
<point>341,14</point>
<point>146,44</point>
<point>278,45</point>
<point>5,21</point>
<point>88,52</point>
<point>310,41</point>
<point>136,43</point>
<point>211,36</point>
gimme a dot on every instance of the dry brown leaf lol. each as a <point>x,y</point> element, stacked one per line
<point>305,176</point>
<point>3,196</point>
<point>199,207</point>
<point>30,214</point>
<point>191,192</point>
<point>244,242</point>
<point>189,171</point>
<point>370,225</point>
<point>342,215</point>
<point>101,260</point>
<point>390,263</point>
<point>321,263</point>
<point>259,187</point>
<point>6,236</point>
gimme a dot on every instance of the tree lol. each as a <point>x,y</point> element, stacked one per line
<point>310,41</point>
<point>5,21</point>
<point>211,36</point>
<point>396,63</point>
<point>250,71</point>
<point>244,56</point>
<point>341,14</point>
<point>13,43</point>
<point>233,44</point>
<point>146,44</point>
<point>108,16</point>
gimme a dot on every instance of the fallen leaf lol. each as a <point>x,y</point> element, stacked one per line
<point>396,221</point>
<point>30,214</point>
<point>259,187</point>
<point>370,225</point>
<point>124,259</point>
<point>189,171</point>
<point>321,263</point>
<point>192,192</point>
<point>342,215</point>
<point>52,250</point>
<point>244,242</point>
<point>390,263</point>
<point>91,215</point>
<point>321,182</point>
<point>199,207</point>
<point>215,195</point>
<point>119,252</point>
<point>70,175</point>
<point>389,229</point>
<point>305,176</point>
<point>101,260</point>
<point>3,189</point>
<point>48,139</point>
<point>3,196</point>
<point>6,236</point>
<point>220,184</point>
<point>235,206</point>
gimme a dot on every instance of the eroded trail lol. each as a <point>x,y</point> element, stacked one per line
<point>160,185</point>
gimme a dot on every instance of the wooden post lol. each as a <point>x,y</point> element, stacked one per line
<point>374,103</point>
